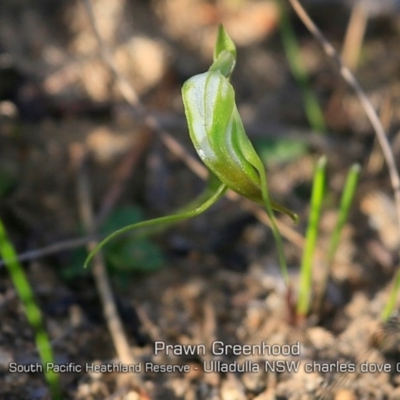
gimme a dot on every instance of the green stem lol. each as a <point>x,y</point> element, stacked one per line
<point>275,231</point>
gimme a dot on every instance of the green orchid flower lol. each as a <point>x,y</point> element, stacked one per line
<point>220,140</point>
<point>216,128</point>
<point>218,135</point>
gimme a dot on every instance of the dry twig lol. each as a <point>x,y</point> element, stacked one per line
<point>350,56</point>
<point>54,248</point>
<point>362,97</point>
<point>100,275</point>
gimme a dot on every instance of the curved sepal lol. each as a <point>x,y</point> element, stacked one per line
<point>214,191</point>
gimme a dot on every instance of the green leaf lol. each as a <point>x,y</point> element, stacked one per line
<point>391,303</point>
<point>74,268</point>
<point>8,178</point>
<point>344,208</point>
<point>138,255</point>
<point>280,151</point>
<point>121,217</point>
<point>127,254</point>
<point>303,303</point>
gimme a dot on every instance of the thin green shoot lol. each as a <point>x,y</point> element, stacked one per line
<point>32,310</point>
<point>303,303</point>
<point>391,303</point>
<point>344,208</point>
<point>312,108</point>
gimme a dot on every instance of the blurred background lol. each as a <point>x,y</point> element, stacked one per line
<point>59,100</point>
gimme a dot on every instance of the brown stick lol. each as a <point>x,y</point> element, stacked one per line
<point>100,275</point>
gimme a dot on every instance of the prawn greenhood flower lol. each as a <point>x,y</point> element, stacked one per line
<point>219,137</point>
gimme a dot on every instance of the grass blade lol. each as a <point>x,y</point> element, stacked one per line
<point>391,303</point>
<point>344,208</point>
<point>32,310</point>
<point>345,203</point>
<point>303,303</point>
